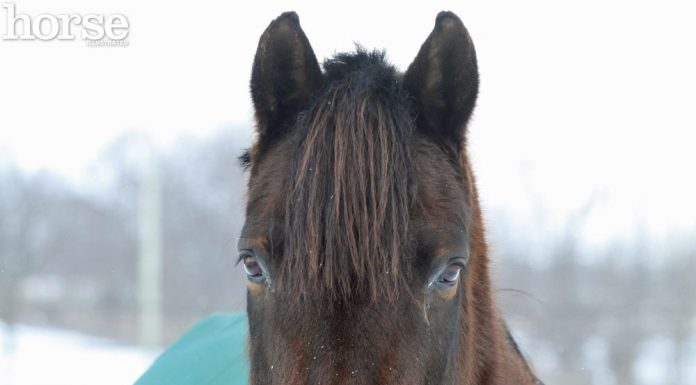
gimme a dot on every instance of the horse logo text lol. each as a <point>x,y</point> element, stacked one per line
<point>92,28</point>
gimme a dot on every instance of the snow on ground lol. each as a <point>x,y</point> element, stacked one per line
<point>44,356</point>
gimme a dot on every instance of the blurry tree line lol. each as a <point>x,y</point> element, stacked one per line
<point>597,322</point>
<point>68,258</point>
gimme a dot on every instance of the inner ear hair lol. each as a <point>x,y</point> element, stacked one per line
<point>284,77</point>
<point>443,80</point>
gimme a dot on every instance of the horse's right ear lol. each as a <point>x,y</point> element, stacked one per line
<point>443,81</point>
<point>285,74</point>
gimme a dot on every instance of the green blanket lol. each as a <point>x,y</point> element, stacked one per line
<point>213,352</point>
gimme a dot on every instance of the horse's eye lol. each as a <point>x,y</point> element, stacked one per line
<point>251,265</point>
<point>451,274</point>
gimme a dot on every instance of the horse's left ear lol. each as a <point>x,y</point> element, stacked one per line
<point>285,74</point>
<point>444,80</point>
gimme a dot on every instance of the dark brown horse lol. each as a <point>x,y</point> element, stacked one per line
<point>363,244</point>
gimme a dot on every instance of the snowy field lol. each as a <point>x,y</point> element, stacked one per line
<point>45,356</point>
<point>42,356</point>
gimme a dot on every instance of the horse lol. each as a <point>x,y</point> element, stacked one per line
<point>363,243</point>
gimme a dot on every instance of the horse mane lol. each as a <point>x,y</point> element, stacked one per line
<point>350,184</point>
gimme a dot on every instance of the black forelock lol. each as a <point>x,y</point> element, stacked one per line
<point>343,63</point>
<point>346,215</point>
<point>363,69</point>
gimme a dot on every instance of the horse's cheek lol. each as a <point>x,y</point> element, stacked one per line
<point>448,294</point>
<point>255,288</point>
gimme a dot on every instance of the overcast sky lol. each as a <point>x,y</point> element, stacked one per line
<point>591,99</point>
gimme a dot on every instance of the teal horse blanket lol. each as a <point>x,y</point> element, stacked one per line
<point>213,352</point>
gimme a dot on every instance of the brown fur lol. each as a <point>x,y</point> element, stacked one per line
<point>350,193</point>
<point>361,191</point>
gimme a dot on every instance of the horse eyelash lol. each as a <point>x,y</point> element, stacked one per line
<point>241,256</point>
<point>245,159</point>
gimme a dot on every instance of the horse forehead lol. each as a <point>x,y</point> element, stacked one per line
<point>268,182</point>
<point>442,186</point>
<point>439,185</point>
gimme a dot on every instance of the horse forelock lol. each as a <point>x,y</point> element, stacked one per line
<point>351,185</point>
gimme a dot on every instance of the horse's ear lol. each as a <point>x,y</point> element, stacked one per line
<point>444,80</point>
<point>285,74</point>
